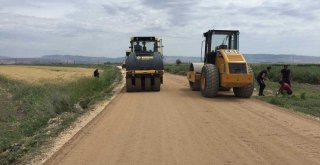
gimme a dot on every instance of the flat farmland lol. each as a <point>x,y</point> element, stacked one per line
<point>37,102</point>
<point>44,74</point>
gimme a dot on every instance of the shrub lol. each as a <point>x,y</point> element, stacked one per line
<point>178,61</point>
<point>303,95</point>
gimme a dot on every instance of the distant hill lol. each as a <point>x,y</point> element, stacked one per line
<point>4,57</point>
<point>80,59</point>
<point>291,59</point>
<point>62,59</point>
<point>76,59</point>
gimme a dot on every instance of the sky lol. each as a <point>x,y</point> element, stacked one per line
<point>32,28</point>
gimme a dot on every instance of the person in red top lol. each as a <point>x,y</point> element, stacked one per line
<point>284,87</point>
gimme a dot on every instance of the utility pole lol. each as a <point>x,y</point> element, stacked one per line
<point>292,59</point>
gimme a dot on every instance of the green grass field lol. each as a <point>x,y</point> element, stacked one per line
<point>32,113</point>
<point>180,69</point>
<point>306,86</point>
<point>305,97</point>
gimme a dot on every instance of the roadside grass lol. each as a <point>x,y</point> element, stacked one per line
<point>305,97</point>
<point>30,114</point>
<point>306,86</point>
<point>180,69</point>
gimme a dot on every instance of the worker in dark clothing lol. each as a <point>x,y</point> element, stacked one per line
<point>262,76</point>
<point>96,73</point>
<point>284,87</point>
<point>144,48</point>
<point>286,74</point>
<point>137,47</point>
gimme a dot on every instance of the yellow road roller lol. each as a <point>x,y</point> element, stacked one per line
<point>224,67</point>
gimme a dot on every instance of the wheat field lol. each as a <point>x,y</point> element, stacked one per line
<point>44,74</point>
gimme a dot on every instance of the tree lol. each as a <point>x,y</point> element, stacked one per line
<point>178,61</point>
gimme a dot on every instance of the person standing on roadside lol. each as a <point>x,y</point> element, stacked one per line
<point>96,73</point>
<point>286,76</point>
<point>262,76</point>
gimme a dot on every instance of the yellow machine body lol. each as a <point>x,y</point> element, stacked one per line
<point>223,67</point>
<point>227,79</point>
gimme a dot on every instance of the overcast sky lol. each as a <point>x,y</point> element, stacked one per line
<point>30,28</point>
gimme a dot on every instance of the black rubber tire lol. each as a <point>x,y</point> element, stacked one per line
<point>195,86</point>
<point>138,86</point>
<point>129,85</point>
<point>244,92</point>
<point>209,87</point>
<point>156,85</point>
<point>147,84</point>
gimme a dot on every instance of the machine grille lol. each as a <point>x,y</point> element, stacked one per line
<point>238,68</point>
<point>235,58</point>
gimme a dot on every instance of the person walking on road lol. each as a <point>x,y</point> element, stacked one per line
<point>262,76</point>
<point>286,76</point>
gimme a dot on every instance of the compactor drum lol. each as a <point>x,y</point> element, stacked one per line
<point>224,66</point>
<point>144,64</point>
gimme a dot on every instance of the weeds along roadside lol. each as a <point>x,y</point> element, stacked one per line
<point>31,114</point>
<point>180,69</point>
<point>306,85</point>
<point>305,98</point>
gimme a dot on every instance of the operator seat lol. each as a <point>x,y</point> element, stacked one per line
<point>223,47</point>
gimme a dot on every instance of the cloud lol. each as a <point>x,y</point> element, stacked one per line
<point>179,11</point>
<point>102,28</point>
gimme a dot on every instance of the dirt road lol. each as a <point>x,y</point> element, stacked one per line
<point>178,126</point>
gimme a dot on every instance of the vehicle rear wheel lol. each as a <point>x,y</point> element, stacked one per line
<point>244,92</point>
<point>129,85</point>
<point>195,86</point>
<point>147,83</point>
<point>156,85</point>
<point>137,84</point>
<point>209,80</point>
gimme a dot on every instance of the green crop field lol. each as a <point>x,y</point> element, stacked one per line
<point>302,73</point>
<point>180,69</point>
<point>28,107</point>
